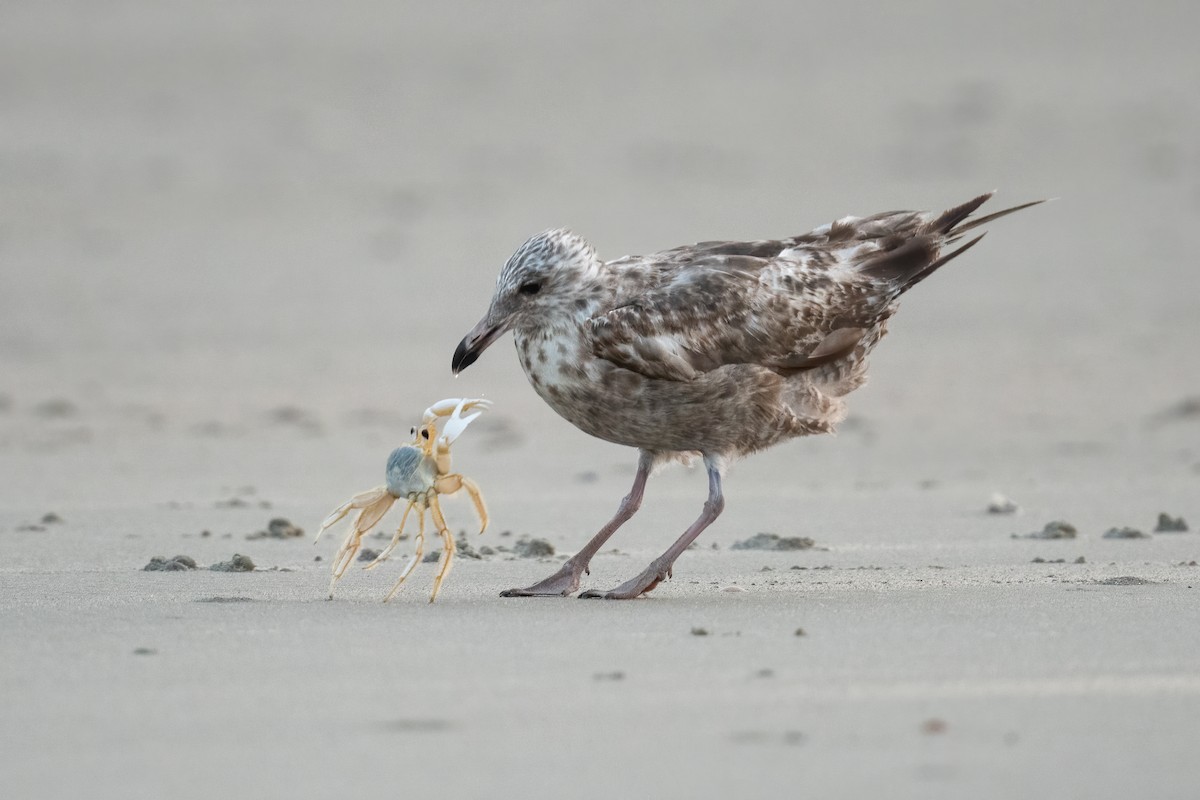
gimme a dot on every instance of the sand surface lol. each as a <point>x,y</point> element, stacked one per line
<point>238,246</point>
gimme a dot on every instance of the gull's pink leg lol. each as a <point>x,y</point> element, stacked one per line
<point>660,568</point>
<point>566,580</point>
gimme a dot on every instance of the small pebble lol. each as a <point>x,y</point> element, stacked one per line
<point>699,631</point>
<point>533,548</point>
<point>800,632</point>
<point>175,564</point>
<point>1002,505</point>
<point>366,554</point>
<point>54,519</point>
<point>464,548</point>
<point>1125,533</point>
<point>278,528</point>
<point>144,651</point>
<point>773,541</point>
<point>1052,530</point>
<point>239,563</point>
<point>1166,524</point>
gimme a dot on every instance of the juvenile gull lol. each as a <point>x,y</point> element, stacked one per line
<point>718,348</point>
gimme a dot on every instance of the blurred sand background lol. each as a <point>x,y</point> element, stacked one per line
<point>239,242</point>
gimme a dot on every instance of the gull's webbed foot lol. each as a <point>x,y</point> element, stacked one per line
<point>645,582</point>
<point>560,584</point>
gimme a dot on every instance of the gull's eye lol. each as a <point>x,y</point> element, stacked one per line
<point>425,433</point>
<point>412,431</point>
<point>530,287</point>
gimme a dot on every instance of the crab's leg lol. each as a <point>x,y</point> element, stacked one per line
<point>448,546</point>
<point>395,539</point>
<point>367,518</point>
<point>477,499</point>
<point>418,551</point>
<point>360,500</point>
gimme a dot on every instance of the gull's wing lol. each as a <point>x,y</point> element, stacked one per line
<point>721,309</point>
<point>789,305</point>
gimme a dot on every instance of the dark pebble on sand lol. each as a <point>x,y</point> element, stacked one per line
<point>1057,529</point>
<point>1166,524</point>
<point>278,528</point>
<point>144,651</point>
<point>176,564</point>
<point>54,519</point>
<point>367,554</point>
<point>699,631</point>
<point>239,563</point>
<point>463,548</point>
<point>431,557</point>
<point>773,541</point>
<point>533,548</point>
<point>1125,533</point>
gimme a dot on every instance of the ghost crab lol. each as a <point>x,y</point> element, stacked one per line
<point>417,473</point>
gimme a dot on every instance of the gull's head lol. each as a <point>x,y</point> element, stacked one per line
<point>540,281</point>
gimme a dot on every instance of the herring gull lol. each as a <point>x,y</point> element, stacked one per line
<point>718,349</point>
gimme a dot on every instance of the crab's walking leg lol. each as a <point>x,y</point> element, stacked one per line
<point>448,546</point>
<point>360,500</point>
<point>419,550</point>
<point>395,538</point>
<point>367,518</point>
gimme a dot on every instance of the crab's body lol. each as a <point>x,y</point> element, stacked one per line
<point>416,473</point>
<point>411,473</point>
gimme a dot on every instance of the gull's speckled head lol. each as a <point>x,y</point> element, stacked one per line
<point>541,279</point>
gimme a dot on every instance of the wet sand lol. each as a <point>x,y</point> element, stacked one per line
<point>237,250</point>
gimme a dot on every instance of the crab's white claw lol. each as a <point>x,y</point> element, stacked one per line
<point>441,408</point>
<point>453,405</point>
<point>458,423</point>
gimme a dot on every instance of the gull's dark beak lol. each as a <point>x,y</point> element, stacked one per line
<point>474,343</point>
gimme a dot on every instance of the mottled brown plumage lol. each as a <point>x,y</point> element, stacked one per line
<point>717,348</point>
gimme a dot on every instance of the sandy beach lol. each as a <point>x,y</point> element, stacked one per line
<point>238,246</point>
